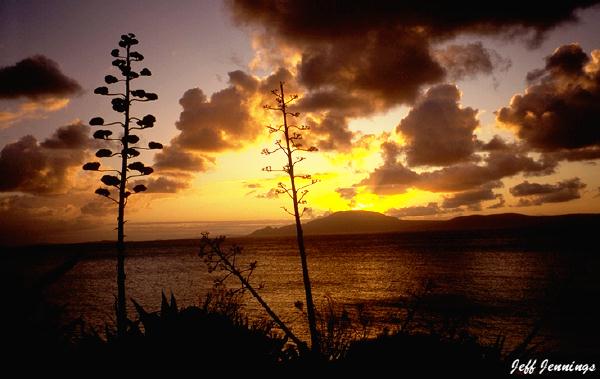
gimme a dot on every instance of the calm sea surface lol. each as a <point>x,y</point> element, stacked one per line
<point>496,283</point>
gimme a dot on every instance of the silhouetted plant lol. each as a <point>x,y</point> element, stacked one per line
<point>213,333</point>
<point>121,103</point>
<point>339,326</point>
<point>290,144</point>
<point>220,259</point>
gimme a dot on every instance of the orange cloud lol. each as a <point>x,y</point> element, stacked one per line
<point>33,109</point>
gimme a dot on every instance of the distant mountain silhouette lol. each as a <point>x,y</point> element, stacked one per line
<point>365,222</point>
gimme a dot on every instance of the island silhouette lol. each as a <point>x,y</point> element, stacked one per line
<point>367,222</point>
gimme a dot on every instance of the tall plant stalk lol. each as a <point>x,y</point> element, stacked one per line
<point>121,103</point>
<point>291,145</point>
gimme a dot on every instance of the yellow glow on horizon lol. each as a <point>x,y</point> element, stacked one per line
<point>236,189</point>
<point>381,203</point>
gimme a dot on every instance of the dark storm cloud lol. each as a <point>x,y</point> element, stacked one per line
<point>216,124</point>
<point>43,168</point>
<point>223,121</point>
<point>581,154</point>
<point>392,176</point>
<point>566,61</point>
<point>74,136</point>
<point>391,179</point>
<point>206,125</point>
<point>472,199</point>
<point>335,100</point>
<point>395,177</point>
<point>219,123</point>
<point>163,184</point>
<point>35,77</point>
<point>430,209</point>
<point>496,143</point>
<point>378,65</point>
<point>271,82</point>
<point>210,125</point>
<point>174,158</point>
<point>382,49</point>
<point>469,60</point>
<point>438,131</point>
<point>537,194</point>
<point>315,20</point>
<point>496,166</point>
<point>331,133</point>
<point>241,79</point>
<point>334,108</point>
<point>389,152</point>
<point>560,111</point>
<point>557,116</point>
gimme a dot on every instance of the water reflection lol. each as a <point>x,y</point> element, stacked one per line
<point>499,288</point>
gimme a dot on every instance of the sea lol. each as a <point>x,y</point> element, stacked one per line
<point>490,284</point>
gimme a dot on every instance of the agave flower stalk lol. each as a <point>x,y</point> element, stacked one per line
<point>121,102</point>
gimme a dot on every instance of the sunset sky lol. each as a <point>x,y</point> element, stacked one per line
<point>418,112</point>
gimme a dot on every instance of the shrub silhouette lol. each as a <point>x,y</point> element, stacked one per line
<point>290,144</point>
<point>339,328</point>
<point>217,323</point>
<point>121,103</point>
<point>215,333</point>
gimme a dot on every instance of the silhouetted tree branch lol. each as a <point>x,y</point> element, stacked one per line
<point>219,259</point>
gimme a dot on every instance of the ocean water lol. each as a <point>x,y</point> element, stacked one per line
<point>493,282</point>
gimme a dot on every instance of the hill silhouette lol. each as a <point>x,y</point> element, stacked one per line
<point>366,222</point>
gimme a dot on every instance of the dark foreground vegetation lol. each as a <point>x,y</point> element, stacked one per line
<point>217,336</point>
